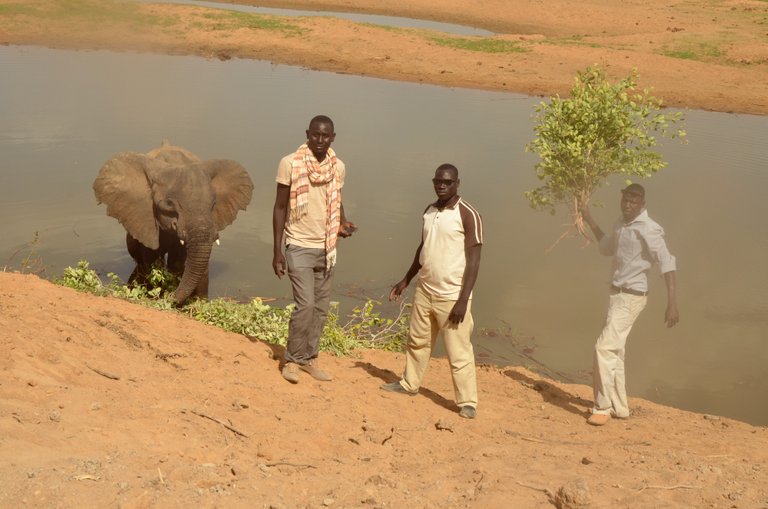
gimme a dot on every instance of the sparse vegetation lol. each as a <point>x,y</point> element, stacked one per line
<point>576,40</point>
<point>90,11</point>
<point>363,328</point>
<point>233,20</point>
<point>690,49</point>
<point>389,28</point>
<point>31,262</point>
<point>483,45</point>
<point>15,9</point>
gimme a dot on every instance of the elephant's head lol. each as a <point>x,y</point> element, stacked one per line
<point>169,193</point>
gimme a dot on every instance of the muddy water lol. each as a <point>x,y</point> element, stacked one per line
<point>63,114</point>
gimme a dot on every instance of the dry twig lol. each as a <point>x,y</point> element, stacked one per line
<point>540,440</point>
<point>676,487</point>
<point>86,477</point>
<point>103,373</point>
<point>219,421</point>
<point>546,491</point>
<point>297,465</point>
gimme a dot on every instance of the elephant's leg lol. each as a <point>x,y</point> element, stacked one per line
<point>177,257</point>
<point>144,258</point>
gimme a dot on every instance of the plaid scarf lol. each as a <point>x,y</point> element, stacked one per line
<point>305,168</point>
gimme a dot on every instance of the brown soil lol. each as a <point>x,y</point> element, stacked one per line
<point>110,404</point>
<point>104,403</point>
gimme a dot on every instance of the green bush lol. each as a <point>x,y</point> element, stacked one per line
<point>363,328</point>
<point>602,129</point>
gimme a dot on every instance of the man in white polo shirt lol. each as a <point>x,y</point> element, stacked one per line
<point>636,243</point>
<point>447,262</point>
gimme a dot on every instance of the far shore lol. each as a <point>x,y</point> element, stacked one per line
<point>711,57</point>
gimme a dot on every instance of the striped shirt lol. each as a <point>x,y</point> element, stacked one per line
<point>445,236</point>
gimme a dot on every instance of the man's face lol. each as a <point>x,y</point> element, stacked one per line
<point>320,135</point>
<point>446,185</point>
<point>631,206</point>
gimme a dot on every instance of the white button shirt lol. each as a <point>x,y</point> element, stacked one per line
<point>635,248</point>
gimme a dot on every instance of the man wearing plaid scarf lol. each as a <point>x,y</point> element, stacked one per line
<point>308,217</point>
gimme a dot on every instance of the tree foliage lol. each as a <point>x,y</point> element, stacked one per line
<point>602,129</point>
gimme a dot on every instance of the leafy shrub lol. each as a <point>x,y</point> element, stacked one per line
<point>82,278</point>
<point>602,129</point>
<point>364,327</point>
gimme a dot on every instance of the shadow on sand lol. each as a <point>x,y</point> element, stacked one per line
<point>552,394</point>
<point>387,376</point>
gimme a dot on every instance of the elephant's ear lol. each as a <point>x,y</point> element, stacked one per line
<point>232,187</point>
<point>122,185</point>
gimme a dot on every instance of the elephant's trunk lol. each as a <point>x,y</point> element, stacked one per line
<point>195,276</point>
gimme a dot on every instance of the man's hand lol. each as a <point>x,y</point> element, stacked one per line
<point>458,312</point>
<point>671,316</point>
<point>586,216</point>
<point>346,229</point>
<point>278,265</point>
<point>398,289</point>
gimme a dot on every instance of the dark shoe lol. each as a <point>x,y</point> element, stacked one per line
<point>396,387</point>
<point>468,412</point>
<point>291,372</point>
<point>599,419</point>
<point>314,370</point>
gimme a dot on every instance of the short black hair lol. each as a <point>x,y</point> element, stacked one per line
<point>321,119</point>
<point>449,167</point>
<point>634,190</point>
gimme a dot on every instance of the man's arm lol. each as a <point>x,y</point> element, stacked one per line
<point>279,218</point>
<point>605,243</point>
<point>671,315</point>
<point>401,285</point>
<point>468,283</point>
<point>586,214</point>
<point>346,228</point>
<point>657,248</point>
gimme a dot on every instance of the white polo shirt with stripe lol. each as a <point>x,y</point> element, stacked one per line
<point>445,235</point>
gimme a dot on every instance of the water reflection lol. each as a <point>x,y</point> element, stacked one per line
<point>63,114</point>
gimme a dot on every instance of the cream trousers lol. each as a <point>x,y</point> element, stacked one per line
<point>429,317</point>
<point>608,369</point>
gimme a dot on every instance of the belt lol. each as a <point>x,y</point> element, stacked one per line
<point>616,289</point>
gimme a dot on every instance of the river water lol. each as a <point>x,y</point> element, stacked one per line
<point>375,19</point>
<point>64,113</point>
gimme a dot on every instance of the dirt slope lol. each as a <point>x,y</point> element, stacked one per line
<point>108,404</point>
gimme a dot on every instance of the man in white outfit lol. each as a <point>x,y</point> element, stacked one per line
<point>636,243</point>
<point>446,262</point>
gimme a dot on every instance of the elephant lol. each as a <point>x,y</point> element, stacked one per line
<point>172,203</point>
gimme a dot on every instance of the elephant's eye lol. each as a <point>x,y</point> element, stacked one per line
<point>167,206</point>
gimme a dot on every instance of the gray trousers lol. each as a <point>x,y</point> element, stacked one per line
<point>311,285</point>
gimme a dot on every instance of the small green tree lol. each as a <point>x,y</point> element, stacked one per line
<point>602,129</point>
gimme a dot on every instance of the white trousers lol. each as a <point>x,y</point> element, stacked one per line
<point>608,369</point>
<point>429,317</point>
